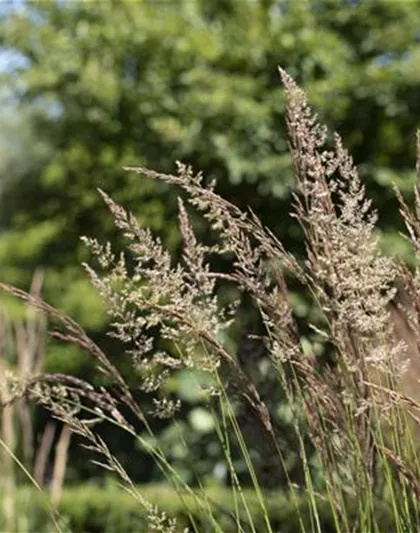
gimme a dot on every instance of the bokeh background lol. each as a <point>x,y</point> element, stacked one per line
<point>87,87</point>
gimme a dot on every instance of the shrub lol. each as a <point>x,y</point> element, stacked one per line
<point>346,406</point>
<point>106,509</point>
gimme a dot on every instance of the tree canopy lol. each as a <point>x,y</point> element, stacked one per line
<point>104,84</point>
<point>89,87</point>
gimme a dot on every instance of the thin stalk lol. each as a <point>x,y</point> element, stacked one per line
<point>52,510</point>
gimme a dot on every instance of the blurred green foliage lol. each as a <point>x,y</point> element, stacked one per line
<point>88,87</point>
<point>108,509</point>
<point>99,85</point>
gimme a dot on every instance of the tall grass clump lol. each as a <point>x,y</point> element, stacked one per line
<point>353,425</point>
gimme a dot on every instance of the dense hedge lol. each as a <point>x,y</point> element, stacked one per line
<point>109,509</point>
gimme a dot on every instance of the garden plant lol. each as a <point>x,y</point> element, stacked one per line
<point>355,428</point>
